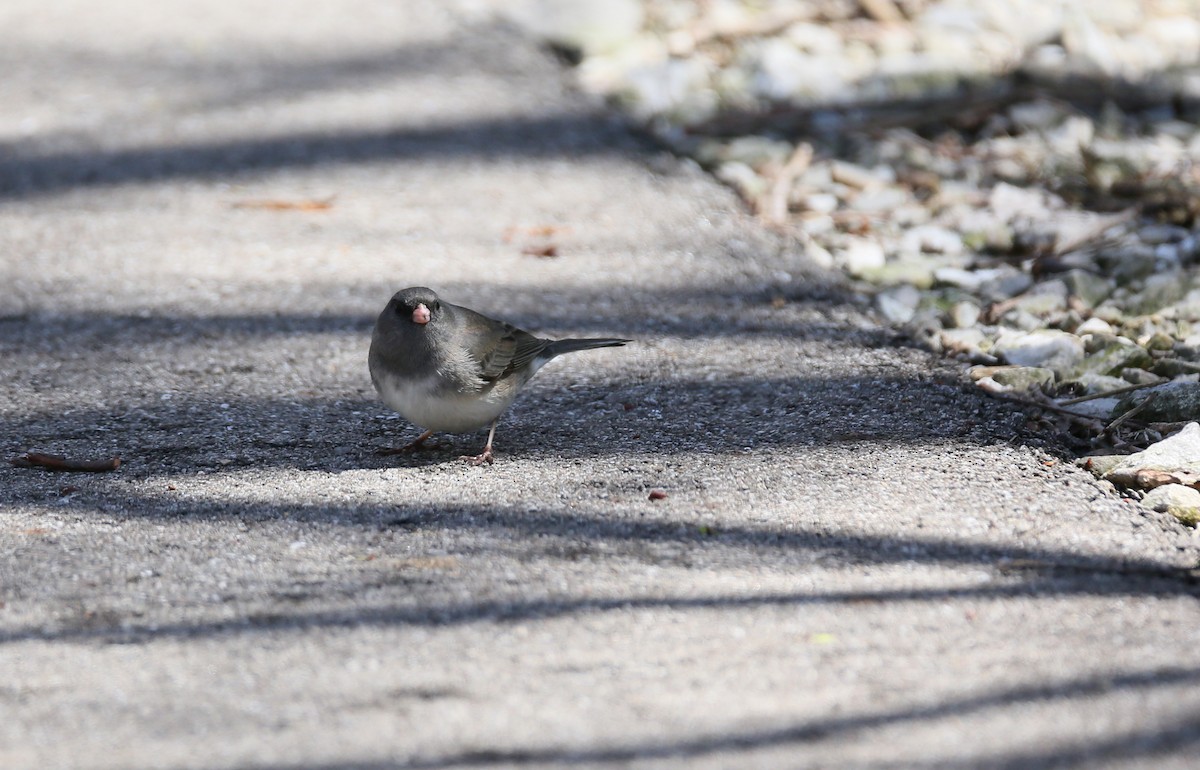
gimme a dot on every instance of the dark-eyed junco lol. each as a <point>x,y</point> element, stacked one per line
<point>449,369</point>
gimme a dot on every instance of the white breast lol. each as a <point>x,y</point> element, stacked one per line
<point>421,404</point>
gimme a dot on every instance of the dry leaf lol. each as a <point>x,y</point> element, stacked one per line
<point>546,251</point>
<point>60,463</point>
<point>270,204</point>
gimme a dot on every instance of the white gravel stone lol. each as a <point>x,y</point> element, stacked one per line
<point>1177,456</point>
<point>898,304</point>
<point>1047,348</point>
<point>1094,326</point>
<point>861,255</point>
<point>1182,502</point>
<point>932,239</point>
<point>965,314</point>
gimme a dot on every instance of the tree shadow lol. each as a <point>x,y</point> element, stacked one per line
<point>568,534</point>
<point>1177,735</point>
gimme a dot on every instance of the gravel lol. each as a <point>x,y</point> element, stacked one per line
<point>1031,178</point>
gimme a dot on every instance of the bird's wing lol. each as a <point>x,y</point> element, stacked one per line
<point>500,348</point>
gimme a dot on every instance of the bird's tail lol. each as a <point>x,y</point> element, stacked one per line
<point>558,347</point>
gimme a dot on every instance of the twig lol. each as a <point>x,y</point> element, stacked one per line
<point>60,463</point>
<point>773,207</point>
<point>1121,420</point>
<point>1117,392</point>
<point>1041,405</point>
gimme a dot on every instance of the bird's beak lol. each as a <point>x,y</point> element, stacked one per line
<point>421,314</point>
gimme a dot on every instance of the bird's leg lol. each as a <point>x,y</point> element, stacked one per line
<point>486,455</point>
<point>410,447</point>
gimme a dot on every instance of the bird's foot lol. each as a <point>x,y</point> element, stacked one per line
<point>483,457</point>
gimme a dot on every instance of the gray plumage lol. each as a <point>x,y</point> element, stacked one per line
<point>448,368</point>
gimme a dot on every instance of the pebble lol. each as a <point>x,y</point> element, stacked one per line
<point>898,304</point>
<point>1182,502</point>
<point>1171,461</point>
<point>860,256</point>
<point>1049,348</point>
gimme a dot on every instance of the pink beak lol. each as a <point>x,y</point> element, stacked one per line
<point>421,314</point>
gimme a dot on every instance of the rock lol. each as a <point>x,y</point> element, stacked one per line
<point>933,239</point>
<point>1019,378</point>
<point>878,200</point>
<point>781,72</point>
<point>817,39</point>
<point>1175,401</point>
<point>1139,377</point>
<point>1128,262</point>
<point>1094,326</point>
<point>674,87</point>
<point>1157,292</point>
<point>1092,382</point>
<point>915,270</point>
<point>1096,408</point>
<point>993,284</point>
<point>969,280</point>
<point>742,178</point>
<point>1158,340</point>
<point>1009,202</point>
<point>819,256</point>
<point>898,304</point>
<point>1002,283</point>
<point>1174,367</point>
<point>1156,234</point>
<point>965,314</point>
<point>1188,308</point>
<point>853,175</point>
<point>754,151</point>
<point>967,340</point>
<point>822,203</point>
<point>1048,348</point>
<point>1189,349</point>
<point>1042,299</point>
<point>861,255</point>
<point>1109,355</point>
<point>1091,289</point>
<point>1174,460</point>
<point>1182,502</point>
<point>1109,311</point>
<point>1036,115</point>
<point>1100,464</point>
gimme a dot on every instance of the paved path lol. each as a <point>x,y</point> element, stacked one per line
<point>859,562</point>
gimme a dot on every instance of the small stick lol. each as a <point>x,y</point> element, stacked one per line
<point>774,207</point>
<point>1117,392</point>
<point>60,463</point>
<point>1121,420</point>
<point>1041,405</point>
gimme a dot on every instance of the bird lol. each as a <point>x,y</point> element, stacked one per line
<point>447,368</point>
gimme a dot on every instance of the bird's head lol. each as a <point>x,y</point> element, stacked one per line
<point>417,305</point>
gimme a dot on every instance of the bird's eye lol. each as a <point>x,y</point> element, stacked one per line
<point>401,310</point>
<point>437,305</point>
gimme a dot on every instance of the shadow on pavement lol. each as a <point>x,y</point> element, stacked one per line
<point>1181,734</point>
<point>541,136</point>
<point>568,535</point>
